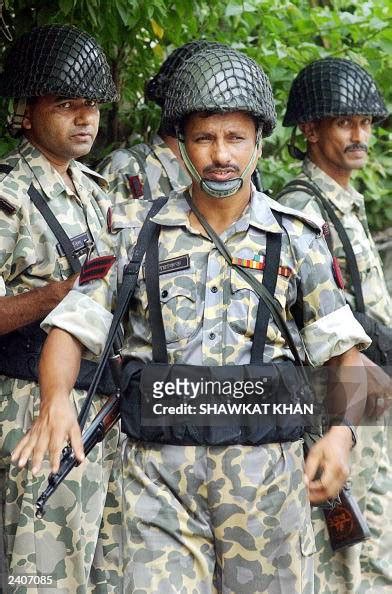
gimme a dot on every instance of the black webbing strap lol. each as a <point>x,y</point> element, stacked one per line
<point>159,349</point>
<point>57,230</point>
<point>272,303</point>
<point>52,222</point>
<point>131,272</point>
<point>328,213</point>
<point>270,277</point>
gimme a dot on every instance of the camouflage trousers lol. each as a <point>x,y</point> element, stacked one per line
<point>63,543</point>
<point>365,568</point>
<point>203,520</point>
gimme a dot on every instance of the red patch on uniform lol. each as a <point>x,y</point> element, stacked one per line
<point>109,219</point>
<point>95,269</point>
<point>337,273</point>
<point>326,230</point>
<point>136,186</point>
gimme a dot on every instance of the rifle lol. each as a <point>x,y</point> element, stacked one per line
<point>99,427</point>
<point>96,431</point>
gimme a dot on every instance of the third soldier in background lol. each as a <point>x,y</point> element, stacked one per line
<point>335,103</point>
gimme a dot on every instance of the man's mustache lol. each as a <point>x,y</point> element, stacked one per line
<point>221,169</point>
<point>356,146</point>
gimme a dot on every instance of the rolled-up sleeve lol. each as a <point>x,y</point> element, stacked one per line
<point>330,327</point>
<point>333,335</point>
<point>82,317</point>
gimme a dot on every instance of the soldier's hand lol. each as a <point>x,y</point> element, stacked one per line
<point>327,464</point>
<point>55,426</point>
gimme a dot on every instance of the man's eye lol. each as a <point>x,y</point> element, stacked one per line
<point>91,102</point>
<point>65,105</point>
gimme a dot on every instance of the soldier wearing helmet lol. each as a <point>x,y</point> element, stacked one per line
<point>52,209</point>
<point>335,103</point>
<point>210,508</point>
<point>154,169</point>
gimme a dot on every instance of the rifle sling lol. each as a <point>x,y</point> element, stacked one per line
<point>131,273</point>
<point>326,209</point>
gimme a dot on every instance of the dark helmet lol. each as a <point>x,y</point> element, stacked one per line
<point>333,87</point>
<point>57,60</point>
<point>220,80</point>
<point>156,87</point>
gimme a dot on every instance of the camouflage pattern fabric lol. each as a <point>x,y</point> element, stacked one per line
<point>63,543</point>
<point>365,568</point>
<point>178,500</point>
<point>143,171</point>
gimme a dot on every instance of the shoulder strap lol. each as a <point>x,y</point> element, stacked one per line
<point>272,303</point>
<point>159,349</point>
<point>125,294</point>
<point>270,277</point>
<point>61,236</point>
<point>329,213</point>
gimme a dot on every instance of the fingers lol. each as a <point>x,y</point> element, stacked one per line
<point>76,442</point>
<point>39,440</point>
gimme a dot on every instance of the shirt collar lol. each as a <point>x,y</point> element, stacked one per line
<point>179,179</point>
<point>343,199</point>
<point>49,180</point>
<point>257,214</point>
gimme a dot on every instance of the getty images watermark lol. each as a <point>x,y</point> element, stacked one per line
<point>250,395</point>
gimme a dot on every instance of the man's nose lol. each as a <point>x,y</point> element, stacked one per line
<point>84,115</point>
<point>221,153</point>
<point>359,134</point>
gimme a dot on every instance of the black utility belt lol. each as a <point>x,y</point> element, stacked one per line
<point>219,405</point>
<point>24,366</point>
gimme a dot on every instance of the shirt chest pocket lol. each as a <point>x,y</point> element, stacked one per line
<point>243,301</point>
<point>177,294</point>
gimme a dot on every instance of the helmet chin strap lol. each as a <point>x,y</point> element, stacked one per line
<point>219,189</point>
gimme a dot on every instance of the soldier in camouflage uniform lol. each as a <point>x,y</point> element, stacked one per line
<point>55,92</point>
<point>337,129</point>
<point>229,518</point>
<point>152,170</point>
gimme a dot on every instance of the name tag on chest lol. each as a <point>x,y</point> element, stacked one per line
<point>173,265</point>
<point>80,243</point>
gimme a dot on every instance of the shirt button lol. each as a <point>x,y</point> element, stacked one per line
<point>214,289</point>
<point>164,294</point>
<point>211,335</point>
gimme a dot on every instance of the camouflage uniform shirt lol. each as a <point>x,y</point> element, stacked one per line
<point>349,207</point>
<point>208,310</point>
<point>143,171</point>
<point>29,257</point>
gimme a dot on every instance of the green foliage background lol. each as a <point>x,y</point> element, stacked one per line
<point>282,36</point>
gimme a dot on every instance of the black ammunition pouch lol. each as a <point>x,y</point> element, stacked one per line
<point>285,390</point>
<point>19,357</point>
<point>380,351</point>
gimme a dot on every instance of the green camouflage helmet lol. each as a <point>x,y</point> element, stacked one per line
<point>219,80</point>
<point>156,87</point>
<point>333,87</point>
<point>57,60</point>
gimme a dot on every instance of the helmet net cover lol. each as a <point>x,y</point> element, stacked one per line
<point>333,87</point>
<point>220,80</point>
<point>57,60</point>
<point>156,87</point>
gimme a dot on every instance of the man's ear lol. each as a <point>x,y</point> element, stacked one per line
<point>26,123</point>
<point>259,150</point>
<point>310,131</point>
